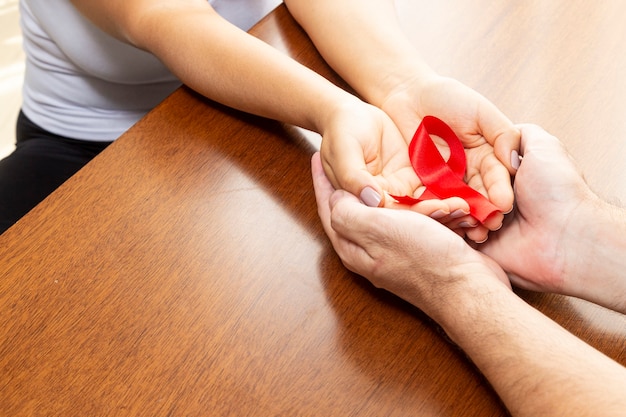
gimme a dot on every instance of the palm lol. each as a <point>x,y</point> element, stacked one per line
<point>374,139</point>
<point>477,123</point>
<point>364,145</point>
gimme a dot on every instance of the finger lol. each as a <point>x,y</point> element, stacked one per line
<point>497,182</point>
<point>457,212</point>
<point>478,234</point>
<point>494,222</point>
<point>352,255</point>
<point>358,229</point>
<point>441,210</point>
<point>346,166</point>
<point>353,220</point>
<point>493,181</point>
<point>505,138</point>
<point>325,196</point>
<point>548,151</point>
<point>323,190</point>
<point>536,138</point>
<point>464,222</point>
<point>506,147</point>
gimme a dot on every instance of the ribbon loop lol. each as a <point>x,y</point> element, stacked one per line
<point>443,179</point>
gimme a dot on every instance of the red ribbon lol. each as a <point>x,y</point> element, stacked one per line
<point>443,179</point>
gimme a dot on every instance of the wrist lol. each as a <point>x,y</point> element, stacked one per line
<point>404,79</point>
<point>331,111</point>
<point>480,299</point>
<point>403,86</point>
<point>464,291</point>
<point>407,102</point>
<point>594,248</point>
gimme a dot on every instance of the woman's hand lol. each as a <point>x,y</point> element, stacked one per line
<point>363,152</point>
<point>490,139</point>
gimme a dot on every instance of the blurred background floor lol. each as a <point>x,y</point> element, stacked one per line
<point>11,73</point>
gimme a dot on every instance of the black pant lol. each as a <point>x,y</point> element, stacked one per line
<point>40,163</point>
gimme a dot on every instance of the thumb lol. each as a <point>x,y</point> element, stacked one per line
<point>355,179</point>
<point>503,135</point>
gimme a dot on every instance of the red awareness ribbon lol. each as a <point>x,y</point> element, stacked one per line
<point>443,179</point>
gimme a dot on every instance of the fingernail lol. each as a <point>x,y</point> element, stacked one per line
<point>515,161</point>
<point>458,213</point>
<point>466,224</point>
<point>370,197</point>
<point>438,214</point>
<point>482,241</point>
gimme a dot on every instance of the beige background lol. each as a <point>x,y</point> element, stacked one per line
<point>11,73</point>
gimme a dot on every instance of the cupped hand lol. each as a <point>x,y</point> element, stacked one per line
<point>404,252</point>
<point>490,139</point>
<point>364,153</point>
<point>551,199</point>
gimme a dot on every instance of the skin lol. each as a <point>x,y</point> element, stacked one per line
<point>557,219</point>
<point>536,366</point>
<point>364,145</point>
<point>407,89</point>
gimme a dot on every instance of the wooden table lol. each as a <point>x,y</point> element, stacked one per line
<point>184,271</point>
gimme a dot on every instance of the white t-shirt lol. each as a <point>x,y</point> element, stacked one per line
<point>82,83</point>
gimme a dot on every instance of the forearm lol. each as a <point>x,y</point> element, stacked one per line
<point>536,366</point>
<point>220,61</point>
<point>363,41</point>
<point>238,70</point>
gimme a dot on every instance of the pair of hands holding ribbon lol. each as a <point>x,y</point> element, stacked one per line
<point>372,160</point>
<point>414,255</point>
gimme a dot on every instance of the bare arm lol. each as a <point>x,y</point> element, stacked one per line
<point>374,56</point>
<point>219,60</point>
<point>536,366</point>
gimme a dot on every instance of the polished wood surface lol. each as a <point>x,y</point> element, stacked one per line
<point>184,271</point>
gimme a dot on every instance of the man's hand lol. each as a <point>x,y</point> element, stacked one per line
<point>404,252</point>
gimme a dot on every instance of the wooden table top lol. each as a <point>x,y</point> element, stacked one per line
<point>184,272</point>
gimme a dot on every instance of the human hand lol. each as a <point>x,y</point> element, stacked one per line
<point>363,152</point>
<point>551,200</point>
<point>490,139</point>
<point>401,251</point>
